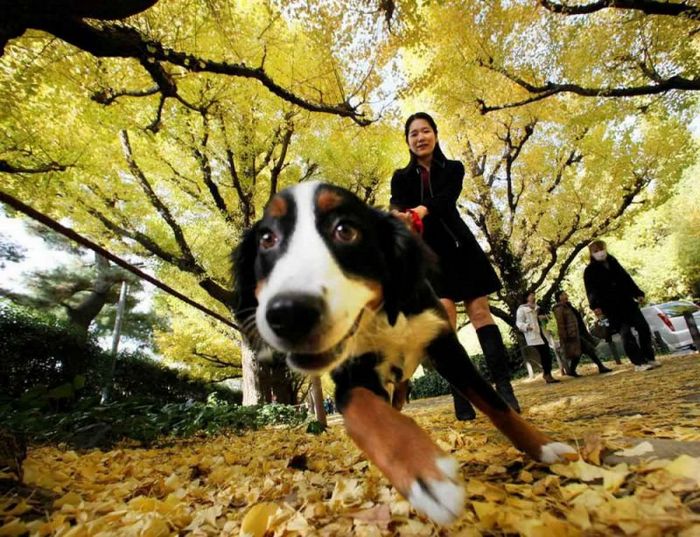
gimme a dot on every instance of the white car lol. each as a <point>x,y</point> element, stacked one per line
<point>667,319</point>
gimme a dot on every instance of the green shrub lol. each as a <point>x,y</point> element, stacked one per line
<point>431,384</point>
<point>38,350</point>
<point>276,414</point>
<point>45,363</point>
<point>144,420</point>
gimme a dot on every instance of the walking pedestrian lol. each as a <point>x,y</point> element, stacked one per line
<point>574,336</point>
<point>612,292</point>
<point>528,322</point>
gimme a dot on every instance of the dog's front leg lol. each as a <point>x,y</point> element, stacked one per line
<point>452,362</point>
<point>419,470</point>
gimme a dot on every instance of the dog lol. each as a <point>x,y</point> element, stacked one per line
<point>341,287</point>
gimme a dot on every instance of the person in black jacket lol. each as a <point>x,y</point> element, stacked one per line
<point>613,293</point>
<point>424,194</point>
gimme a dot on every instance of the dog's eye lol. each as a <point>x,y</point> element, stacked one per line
<point>346,233</point>
<point>268,240</point>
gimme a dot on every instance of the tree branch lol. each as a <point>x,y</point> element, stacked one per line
<point>502,314</point>
<point>649,7</point>
<point>6,167</point>
<point>112,41</point>
<point>153,198</point>
<point>539,92</point>
<point>279,163</point>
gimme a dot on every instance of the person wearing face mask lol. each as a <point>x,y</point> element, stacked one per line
<point>613,293</point>
<point>424,195</point>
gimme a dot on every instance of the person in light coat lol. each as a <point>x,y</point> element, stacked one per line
<point>527,321</point>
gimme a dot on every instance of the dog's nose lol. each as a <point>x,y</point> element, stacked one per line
<point>293,316</point>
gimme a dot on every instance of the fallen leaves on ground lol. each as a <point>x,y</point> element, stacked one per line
<point>282,482</point>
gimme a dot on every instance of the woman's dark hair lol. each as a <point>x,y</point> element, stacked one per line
<point>437,152</point>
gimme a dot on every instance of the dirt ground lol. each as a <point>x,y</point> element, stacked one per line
<point>285,482</point>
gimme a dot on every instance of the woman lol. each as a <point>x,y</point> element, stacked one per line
<point>527,321</point>
<point>573,335</point>
<point>424,194</point>
<point>612,292</point>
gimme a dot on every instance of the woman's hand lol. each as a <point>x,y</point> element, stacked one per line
<point>404,217</point>
<point>422,211</point>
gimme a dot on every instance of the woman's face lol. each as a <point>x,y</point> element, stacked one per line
<point>531,298</point>
<point>598,252</point>
<point>421,138</point>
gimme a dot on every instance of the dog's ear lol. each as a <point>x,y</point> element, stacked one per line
<point>405,264</point>
<point>244,282</point>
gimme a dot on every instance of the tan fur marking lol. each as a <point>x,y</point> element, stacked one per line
<point>523,435</point>
<point>392,441</point>
<point>400,395</point>
<point>259,287</point>
<point>277,207</point>
<point>328,200</point>
<point>376,289</point>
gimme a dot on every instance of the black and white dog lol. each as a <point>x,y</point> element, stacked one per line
<point>342,287</point>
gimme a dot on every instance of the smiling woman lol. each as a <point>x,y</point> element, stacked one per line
<point>424,195</point>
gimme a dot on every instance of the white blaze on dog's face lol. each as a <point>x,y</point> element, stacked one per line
<point>313,283</point>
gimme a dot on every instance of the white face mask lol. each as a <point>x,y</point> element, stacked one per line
<point>600,255</point>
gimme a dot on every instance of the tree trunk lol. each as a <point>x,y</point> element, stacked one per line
<point>265,380</point>
<point>82,315</point>
<point>249,367</point>
<point>317,391</point>
<point>276,381</point>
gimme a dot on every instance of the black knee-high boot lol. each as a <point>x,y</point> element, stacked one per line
<point>496,358</point>
<point>463,408</point>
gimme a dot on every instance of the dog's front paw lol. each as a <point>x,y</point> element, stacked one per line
<point>557,452</point>
<point>440,497</point>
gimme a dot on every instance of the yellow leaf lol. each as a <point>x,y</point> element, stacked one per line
<point>685,466</point>
<point>21,507</point>
<point>636,451</point>
<point>487,513</point>
<point>14,528</point>
<point>579,517</point>
<point>70,498</point>
<point>144,504</point>
<point>255,522</point>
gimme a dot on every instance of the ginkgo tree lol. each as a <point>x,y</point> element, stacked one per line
<point>172,177</point>
<point>534,50</point>
<point>543,179</point>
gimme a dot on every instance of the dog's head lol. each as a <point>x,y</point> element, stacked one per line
<point>315,264</point>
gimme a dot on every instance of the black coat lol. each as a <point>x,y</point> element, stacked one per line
<point>465,270</point>
<point>610,288</point>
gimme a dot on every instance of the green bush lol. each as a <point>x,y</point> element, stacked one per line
<point>277,414</point>
<point>44,362</point>
<point>91,425</point>
<point>431,384</point>
<point>38,350</point>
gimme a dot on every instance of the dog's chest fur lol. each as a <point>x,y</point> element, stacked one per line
<point>401,348</point>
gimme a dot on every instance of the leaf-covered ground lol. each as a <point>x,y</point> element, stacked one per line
<point>285,482</point>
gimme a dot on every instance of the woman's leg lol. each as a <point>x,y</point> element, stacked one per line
<point>463,408</point>
<point>546,360</point>
<point>494,350</point>
<point>588,348</point>
<point>451,309</point>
